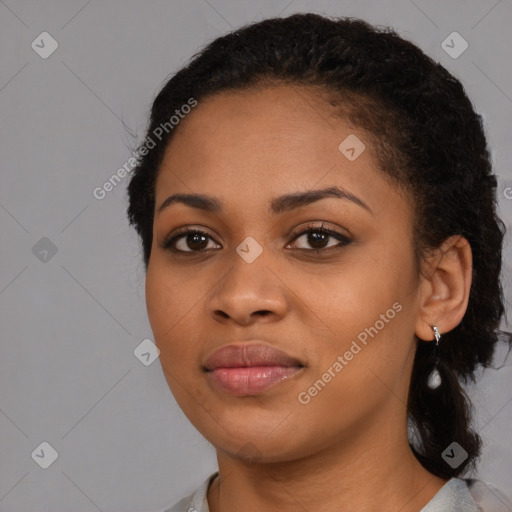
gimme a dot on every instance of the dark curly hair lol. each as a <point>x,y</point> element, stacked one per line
<point>427,139</point>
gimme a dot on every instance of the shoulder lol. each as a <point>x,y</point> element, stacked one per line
<point>454,496</point>
<point>195,502</point>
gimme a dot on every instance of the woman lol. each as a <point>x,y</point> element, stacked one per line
<point>316,206</point>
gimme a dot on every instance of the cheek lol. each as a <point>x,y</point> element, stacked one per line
<point>369,312</point>
<point>158,301</point>
<point>366,288</point>
<point>169,303</point>
<point>170,306</point>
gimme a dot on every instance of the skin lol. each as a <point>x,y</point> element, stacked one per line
<point>347,449</point>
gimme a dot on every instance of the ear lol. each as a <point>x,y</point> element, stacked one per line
<point>444,288</point>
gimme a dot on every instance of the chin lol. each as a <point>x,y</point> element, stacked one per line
<point>256,435</point>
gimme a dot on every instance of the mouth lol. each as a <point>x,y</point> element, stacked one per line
<point>247,369</point>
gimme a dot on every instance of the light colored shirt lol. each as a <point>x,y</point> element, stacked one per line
<point>454,496</point>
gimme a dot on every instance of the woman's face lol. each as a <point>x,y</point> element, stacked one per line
<point>253,285</point>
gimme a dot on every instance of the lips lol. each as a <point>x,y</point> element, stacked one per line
<point>249,368</point>
<point>246,355</point>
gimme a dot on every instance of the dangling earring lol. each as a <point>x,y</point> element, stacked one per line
<point>434,379</point>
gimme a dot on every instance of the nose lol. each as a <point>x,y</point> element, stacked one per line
<point>248,293</point>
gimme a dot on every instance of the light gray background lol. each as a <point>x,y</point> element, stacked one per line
<point>68,374</point>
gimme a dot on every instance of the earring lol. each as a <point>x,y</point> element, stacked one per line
<point>434,379</point>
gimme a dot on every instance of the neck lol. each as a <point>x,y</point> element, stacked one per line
<point>355,475</point>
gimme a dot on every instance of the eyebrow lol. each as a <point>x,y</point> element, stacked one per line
<point>278,205</point>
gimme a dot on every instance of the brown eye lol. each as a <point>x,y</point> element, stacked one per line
<point>318,238</point>
<point>189,240</point>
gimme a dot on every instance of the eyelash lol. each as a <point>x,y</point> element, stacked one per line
<point>182,232</point>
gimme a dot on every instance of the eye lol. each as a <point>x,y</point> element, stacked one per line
<point>187,240</point>
<point>318,237</point>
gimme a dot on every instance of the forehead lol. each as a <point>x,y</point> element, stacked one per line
<point>278,118</point>
<point>255,143</point>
